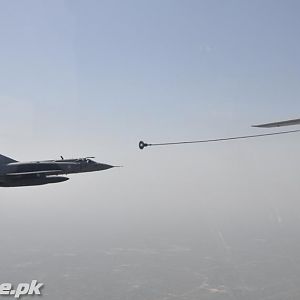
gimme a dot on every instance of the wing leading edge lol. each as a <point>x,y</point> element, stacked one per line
<point>279,124</point>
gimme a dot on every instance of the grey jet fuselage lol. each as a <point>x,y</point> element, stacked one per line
<point>14,173</point>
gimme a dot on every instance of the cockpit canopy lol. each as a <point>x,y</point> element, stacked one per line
<point>86,160</point>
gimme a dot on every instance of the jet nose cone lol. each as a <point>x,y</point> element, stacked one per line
<point>104,166</point>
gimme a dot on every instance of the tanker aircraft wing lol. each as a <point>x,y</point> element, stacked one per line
<point>279,124</point>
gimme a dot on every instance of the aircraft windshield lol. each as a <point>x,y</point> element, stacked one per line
<point>89,161</point>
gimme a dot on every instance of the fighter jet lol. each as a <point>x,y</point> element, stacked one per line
<point>14,173</point>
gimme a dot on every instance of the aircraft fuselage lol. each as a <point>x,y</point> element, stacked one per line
<point>13,173</point>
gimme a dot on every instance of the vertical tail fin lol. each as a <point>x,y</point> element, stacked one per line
<point>6,160</point>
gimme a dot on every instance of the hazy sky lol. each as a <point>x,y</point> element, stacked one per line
<point>115,71</point>
<point>93,78</point>
<point>82,78</point>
